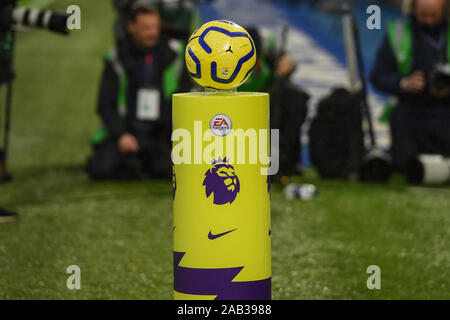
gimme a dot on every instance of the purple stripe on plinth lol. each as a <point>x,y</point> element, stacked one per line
<point>218,282</point>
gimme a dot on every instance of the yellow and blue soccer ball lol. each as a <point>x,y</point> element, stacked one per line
<point>220,55</point>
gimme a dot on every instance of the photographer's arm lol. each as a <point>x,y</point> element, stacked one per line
<point>107,103</point>
<point>385,76</point>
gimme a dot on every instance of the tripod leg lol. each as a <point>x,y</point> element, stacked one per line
<point>4,175</point>
<point>362,75</point>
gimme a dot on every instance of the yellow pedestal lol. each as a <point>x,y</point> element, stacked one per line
<point>221,198</point>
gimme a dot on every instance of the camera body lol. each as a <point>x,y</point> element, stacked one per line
<point>6,8</point>
<point>12,15</point>
<point>6,21</point>
<point>440,76</point>
<point>428,169</point>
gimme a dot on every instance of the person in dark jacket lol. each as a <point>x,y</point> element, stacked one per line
<point>420,120</point>
<point>135,102</point>
<point>288,103</point>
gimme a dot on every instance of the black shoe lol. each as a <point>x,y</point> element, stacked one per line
<point>7,216</point>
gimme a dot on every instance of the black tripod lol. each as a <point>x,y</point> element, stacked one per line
<point>6,215</point>
<point>376,165</point>
<point>4,175</point>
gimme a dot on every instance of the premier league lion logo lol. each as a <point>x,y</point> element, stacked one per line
<point>221,180</point>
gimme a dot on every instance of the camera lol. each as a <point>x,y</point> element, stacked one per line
<point>53,21</point>
<point>6,72</point>
<point>440,76</point>
<point>13,16</point>
<point>428,170</point>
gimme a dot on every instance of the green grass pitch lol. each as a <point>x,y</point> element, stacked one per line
<point>120,234</point>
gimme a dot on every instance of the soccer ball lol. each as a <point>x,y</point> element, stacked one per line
<point>220,55</point>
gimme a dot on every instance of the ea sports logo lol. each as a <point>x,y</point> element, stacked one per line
<point>220,125</point>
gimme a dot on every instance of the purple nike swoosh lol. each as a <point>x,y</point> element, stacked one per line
<point>215,236</point>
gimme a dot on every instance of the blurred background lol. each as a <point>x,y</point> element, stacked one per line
<point>119,233</point>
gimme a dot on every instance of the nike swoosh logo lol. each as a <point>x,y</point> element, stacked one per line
<point>215,236</point>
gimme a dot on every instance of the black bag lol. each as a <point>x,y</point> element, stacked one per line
<point>336,136</point>
<point>288,112</point>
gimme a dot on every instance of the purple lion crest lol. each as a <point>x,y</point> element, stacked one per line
<point>221,180</point>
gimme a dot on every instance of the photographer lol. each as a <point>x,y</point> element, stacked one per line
<point>288,103</point>
<point>135,102</point>
<point>179,18</point>
<point>407,68</point>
